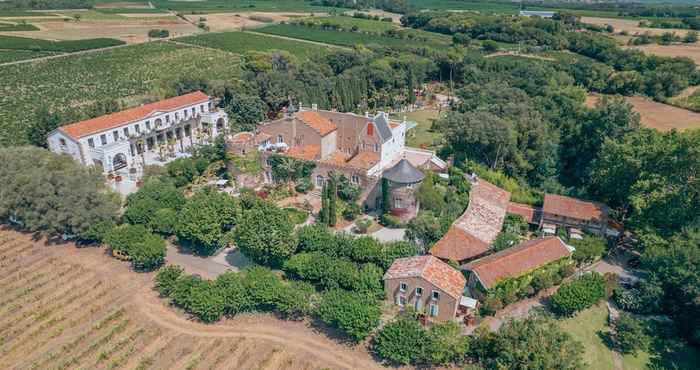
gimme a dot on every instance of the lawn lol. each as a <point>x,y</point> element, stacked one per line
<point>239,42</point>
<point>420,136</point>
<point>663,353</point>
<point>68,84</point>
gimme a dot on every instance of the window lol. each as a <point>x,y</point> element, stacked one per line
<point>419,291</point>
<point>126,131</point>
<point>187,130</point>
<point>91,142</point>
<point>137,128</point>
<point>201,108</point>
<point>400,300</point>
<point>115,134</point>
<point>434,310</point>
<point>397,202</point>
<point>409,186</point>
<point>418,305</point>
<point>403,286</point>
<point>167,118</point>
<point>355,179</point>
<point>280,139</point>
<point>193,111</point>
<point>376,147</point>
<point>103,139</point>
<point>148,125</point>
<point>436,295</point>
<point>319,181</point>
<point>177,116</point>
<point>62,141</point>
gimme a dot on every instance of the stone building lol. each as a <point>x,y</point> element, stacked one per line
<point>402,180</point>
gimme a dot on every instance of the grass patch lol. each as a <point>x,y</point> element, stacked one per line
<point>25,43</point>
<point>23,13</point>
<point>68,85</point>
<point>296,216</point>
<point>421,135</point>
<point>239,42</point>
<point>584,327</point>
<point>347,23</point>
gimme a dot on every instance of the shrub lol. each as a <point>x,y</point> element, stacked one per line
<point>233,291</point>
<point>445,344</point>
<point>149,253</point>
<point>578,294</point>
<point>265,235</point>
<point>122,237</point>
<point>489,46</point>
<point>155,194</point>
<point>263,287</point>
<point>401,341</point>
<point>97,232</point>
<point>158,33</point>
<point>205,219</point>
<point>351,211</point>
<point>629,335</point>
<point>166,279</point>
<point>205,301</point>
<point>304,185</point>
<point>355,314</point>
<point>316,238</point>
<point>642,298</point>
<point>325,271</point>
<point>366,249</point>
<point>181,292</point>
<point>398,249</point>
<point>391,221</point>
<point>295,299</point>
<point>361,226</point>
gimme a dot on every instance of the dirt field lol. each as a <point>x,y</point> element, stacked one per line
<point>236,21</point>
<point>129,30</point>
<point>64,307</point>
<point>662,117</point>
<point>629,25</point>
<point>123,5</point>
<point>691,51</point>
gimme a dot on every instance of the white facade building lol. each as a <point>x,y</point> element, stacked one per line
<point>150,134</point>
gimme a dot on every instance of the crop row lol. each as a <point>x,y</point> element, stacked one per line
<point>69,46</point>
<point>240,42</point>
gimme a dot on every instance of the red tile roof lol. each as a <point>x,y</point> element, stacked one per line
<point>336,158</point>
<point>458,245</point>
<point>242,137</point>
<point>438,273</point>
<point>365,160</point>
<point>317,122</point>
<point>305,152</point>
<point>83,128</point>
<point>573,208</point>
<point>528,212</point>
<point>515,261</point>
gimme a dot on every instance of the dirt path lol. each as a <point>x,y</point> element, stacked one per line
<point>299,40</point>
<point>164,336</point>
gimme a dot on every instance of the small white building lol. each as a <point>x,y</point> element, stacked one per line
<point>537,13</point>
<point>150,134</point>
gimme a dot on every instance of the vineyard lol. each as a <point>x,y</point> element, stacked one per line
<point>24,43</point>
<point>76,308</point>
<point>6,27</point>
<point>69,83</point>
<point>239,42</point>
<point>7,56</point>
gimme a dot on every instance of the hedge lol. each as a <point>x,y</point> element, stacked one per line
<point>578,294</point>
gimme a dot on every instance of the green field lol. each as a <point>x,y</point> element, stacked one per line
<point>24,43</point>
<point>341,38</point>
<point>239,42</point>
<point>23,13</point>
<point>586,326</point>
<point>347,23</point>
<point>421,136</point>
<point>7,56</point>
<point>6,27</point>
<point>484,7</point>
<point>69,83</point>
<point>219,6</point>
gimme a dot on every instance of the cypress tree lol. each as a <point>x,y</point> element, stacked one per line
<point>332,198</point>
<point>323,214</point>
<point>385,196</point>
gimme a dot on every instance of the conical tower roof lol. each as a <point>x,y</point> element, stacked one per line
<point>403,173</point>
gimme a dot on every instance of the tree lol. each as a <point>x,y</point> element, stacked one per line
<point>355,314</point>
<point>324,213</point>
<point>332,200</point>
<point>401,341</point>
<point>691,37</point>
<point>505,240</point>
<point>588,250</point>
<point>245,110</point>
<point>265,235</point>
<point>536,342</point>
<point>629,335</point>
<point>166,279</point>
<point>386,202</point>
<point>578,294</point>
<point>155,194</point>
<point>205,219</point>
<point>205,301</point>
<point>145,250</point>
<point>444,344</point>
<point>425,229</point>
<point>295,300</point>
<point>53,194</point>
<point>44,122</point>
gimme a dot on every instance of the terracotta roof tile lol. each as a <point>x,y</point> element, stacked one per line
<point>486,211</point>
<point>574,208</point>
<point>458,245</point>
<point>337,158</point>
<point>515,261</point>
<point>529,213</point>
<point>242,137</point>
<point>365,160</point>
<point>305,152</point>
<point>438,273</point>
<point>317,122</point>
<point>83,128</point>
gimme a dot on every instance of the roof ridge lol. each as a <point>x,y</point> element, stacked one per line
<point>512,251</point>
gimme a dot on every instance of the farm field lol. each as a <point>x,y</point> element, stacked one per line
<point>691,51</point>
<point>347,23</point>
<point>660,116</point>
<point>67,308</point>
<point>338,37</point>
<point>629,25</point>
<point>7,56</point>
<point>219,6</point>
<point>239,42</point>
<point>69,83</point>
<point>237,21</point>
<point>6,27</point>
<point>23,43</point>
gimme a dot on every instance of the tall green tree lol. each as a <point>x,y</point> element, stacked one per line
<point>265,235</point>
<point>44,122</point>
